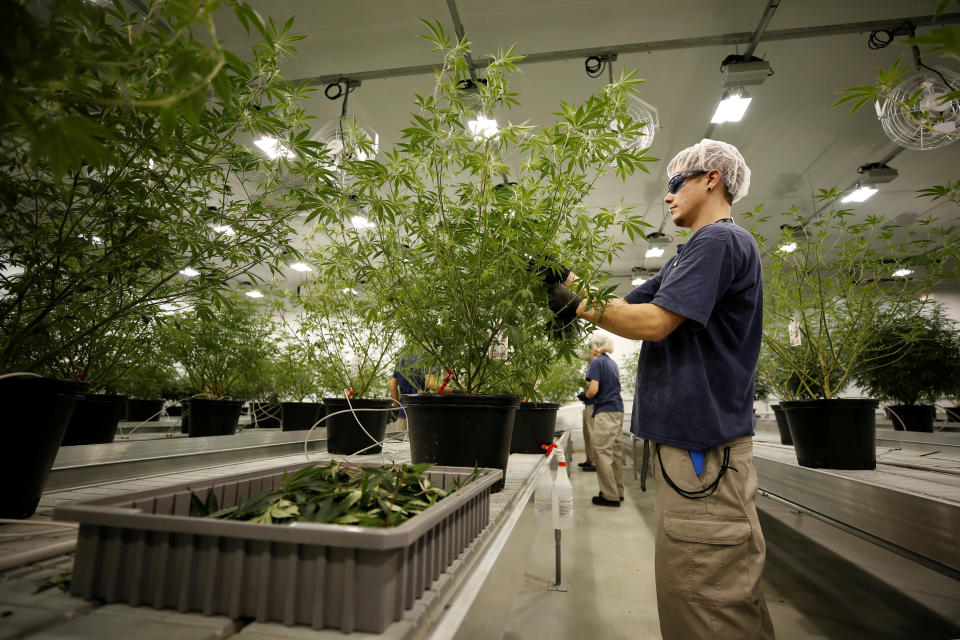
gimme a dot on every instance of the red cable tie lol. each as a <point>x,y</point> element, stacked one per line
<point>350,392</point>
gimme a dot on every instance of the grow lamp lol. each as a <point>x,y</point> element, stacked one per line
<point>789,247</point>
<point>272,147</point>
<point>253,293</point>
<point>225,229</point>
<point>483,127</point>
<point>902,273</point>
<point>860,194</point>
<point>732,106</point>
<point>654,252</point>
<point>360,222</point>
<point>301,266</point>
<point>189,272</point>
<point>638,281</point>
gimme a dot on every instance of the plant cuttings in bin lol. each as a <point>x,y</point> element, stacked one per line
<point>340,493</point>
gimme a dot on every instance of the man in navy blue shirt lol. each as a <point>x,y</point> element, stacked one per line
<point>700,319</point>
<point>408,378</point>
<point>603,387</point>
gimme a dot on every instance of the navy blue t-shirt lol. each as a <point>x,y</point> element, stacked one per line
<point>410,377</point>
<point>588,401</point>
<point>695,387</point>
<point>604,370</point>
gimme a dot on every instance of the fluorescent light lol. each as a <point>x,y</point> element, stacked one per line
<point>253,293</point>
<point>483,127</point>
<point>189,272</point>
<point>272,147</point>
<point>787,248</point>
<point>654,252</point>
<point>638,281</point>
<point>360,222</point>
<point>301,266</point>
<point>349,290</point>
<point>732,106</point>
<point>225,229</point>
<point>902,273</point>
<point>859,194</point>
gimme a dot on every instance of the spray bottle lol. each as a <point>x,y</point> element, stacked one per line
<point>562,496</point>
<point>542,496</point>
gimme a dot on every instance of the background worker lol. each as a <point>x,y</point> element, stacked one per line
<point>588,464</point>
<point>701,319</point>
<point>603,380</point>
<point>408,377</point>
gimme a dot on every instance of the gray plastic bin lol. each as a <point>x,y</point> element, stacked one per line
<point>142,548</point>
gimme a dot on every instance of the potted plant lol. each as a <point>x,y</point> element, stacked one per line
<point>448,241</point>
<point>913,362</point>
<point>348,341</point>
<point>106,177</point>
<point>296,381</point>
<point>535,421</point>
<point>832,284</point>
<point>260,383</point>
<point>218,348</point>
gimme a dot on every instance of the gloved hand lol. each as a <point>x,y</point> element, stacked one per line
<point>563,303</point>
<point>582,396</point>
<point>549,270</point>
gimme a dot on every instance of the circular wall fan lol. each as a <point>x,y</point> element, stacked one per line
<point>641,112</point>
<point>915,114</point>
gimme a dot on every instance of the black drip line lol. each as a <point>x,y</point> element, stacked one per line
<point>882,38</point>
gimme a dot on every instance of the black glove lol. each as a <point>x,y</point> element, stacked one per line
<point>582,396</point>
<point>549,270</point>
<point>563,303</point>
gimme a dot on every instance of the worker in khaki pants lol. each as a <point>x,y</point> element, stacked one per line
<point>589,464</point>
<point>603,380</point>
<point>701,320</point>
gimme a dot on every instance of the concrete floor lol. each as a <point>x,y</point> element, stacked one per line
<point>820,582</point>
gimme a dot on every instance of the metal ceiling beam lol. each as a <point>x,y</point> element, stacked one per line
<point>727,39</point>
<point>461,34</point>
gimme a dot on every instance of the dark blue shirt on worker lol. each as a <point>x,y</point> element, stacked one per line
<point>695,387</point>
<point>410,377</point>
<point>604,370</point>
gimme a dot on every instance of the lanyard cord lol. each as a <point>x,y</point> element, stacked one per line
<point>707,491</point>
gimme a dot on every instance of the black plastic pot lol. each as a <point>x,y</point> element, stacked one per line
<point>533,426</point>
<point>782,425</point>
<point>833,434</point>
<point>139,410</point>
<point>36,412</point>
<point>953,414</point>
<point>212,417</point>
<point>461,430</point>
<point>297,416</point>
<point>95,419</point>
<point>265,415</point>
<point>344,435</point>
<point>174,410</point>
<point>913,417</point>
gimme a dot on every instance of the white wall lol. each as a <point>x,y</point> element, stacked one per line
<point>950,299</point>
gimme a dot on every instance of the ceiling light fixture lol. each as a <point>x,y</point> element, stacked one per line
<point>902,273</point>
<point>225,229</point>
<point>253,293</point>
<point>189,272</point>
<point>654,252</point>
<point>638,281</point>
<point>483,127</point>
<point>361,222</point>
<point>272,147</point>
<point>301,266</point>
<point>732,106</point>
<point>860,194</point>
<point>788,247</point>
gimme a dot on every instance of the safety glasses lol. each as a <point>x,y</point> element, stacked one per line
<point>677,181</point>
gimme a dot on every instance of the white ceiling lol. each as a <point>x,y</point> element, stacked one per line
<point>793,141</point>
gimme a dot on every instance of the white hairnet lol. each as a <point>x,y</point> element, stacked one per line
<point>714,154</point>
<point>602,342</point>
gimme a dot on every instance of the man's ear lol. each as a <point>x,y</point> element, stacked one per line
<point>714,179</point>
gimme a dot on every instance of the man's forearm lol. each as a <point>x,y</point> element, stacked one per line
<point>634,321</point>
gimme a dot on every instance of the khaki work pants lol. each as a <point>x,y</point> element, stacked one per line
<point>401,424</point>
<point>606,445</point>
<point>710,551</point>
<point>588,433</point>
